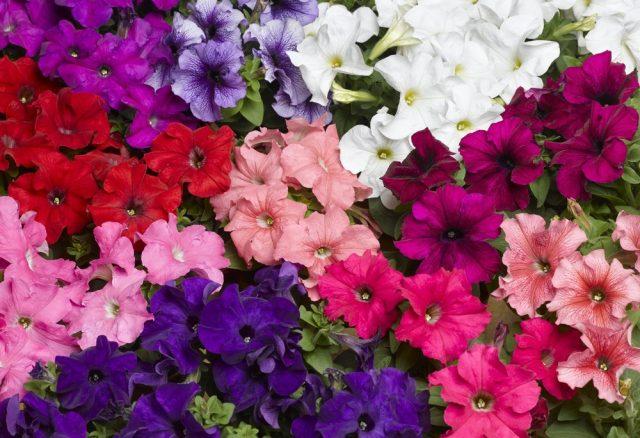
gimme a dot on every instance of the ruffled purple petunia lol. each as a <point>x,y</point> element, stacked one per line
<point>17,28</point>
<point>310,111</point>
<point>276,281</point>
<point>217,20</point>
<point>64,44</point>
<point>207,78</point>
<point>501,163</point>
<point>148,34</point>
<point>93,13</point>
<point>449,228</point>
<point>303,11</point>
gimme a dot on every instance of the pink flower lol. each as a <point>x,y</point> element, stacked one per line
<point>322,239</point>
<point>443,315</point>
<point>589,290</point>
<point>264,136</point>
<point>532,257</point>
<point>364,290</point>
<point>16,361</point>
<point>540,347</point>
<point>119,313</point>
<point>170,254</point>
<point>258,220</point>
<point>628,233</point>
<point>116,261</point>
<point>18,235</point>
<point>607,355</point>
<point>314,163</point>
<point>486,397</point>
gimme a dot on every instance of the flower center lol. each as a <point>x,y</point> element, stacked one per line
<point>364,294</point>
<point>133,208</point>
<point>463,125</point>
<point>25,322</point>
<point>113,309</point>
<point>366,423</point>
<point>458,69</point>
<point>8,142</point>
<point>432,313</point>
<point>597,295</point>
<point>265,221</point>
<point>603,364</point>
<point>335,62</point>
<point>178,253</point>
<point>323,252</point>
<point>95,376</point>
<point>506,162</point>
<point>384,154</point>
<point>246,333</point>
<point>546,357</point>
<point>410,97</point>
<point>517,64</point>
<point>104,71</point>
<point>73,52</point>
<point>56,197</point>
<point>26,94</point>
<point>482,402</point>
<point>543,266</point>
<point>452,234</point>
<point>197,158</point>
<point>153,121</point>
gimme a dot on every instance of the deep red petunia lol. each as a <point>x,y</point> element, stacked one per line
<point>133,197</point>
<point>72,120</point>
<point>201,158</point>
<point>19,141</point>
<point>58,192</point>
<point>20,85</point>
<point>102,162</point>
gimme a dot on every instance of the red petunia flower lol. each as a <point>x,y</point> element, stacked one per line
<point>201,158</point>
<point>19,141</point>
<point>58,192</point>
<point>132,197</point>
<point>102,162</point>
<point>72,120</point>
<point>20,85</point>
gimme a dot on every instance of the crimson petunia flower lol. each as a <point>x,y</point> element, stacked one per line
<point>58,192</point>
<point>132,197</point>
<point>19,141</point>
<point>201,158</point>
<point>72,120</point>
<point>20,85</point>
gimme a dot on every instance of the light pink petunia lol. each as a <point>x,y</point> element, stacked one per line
<point>170,254</point>
<point>364,290</point>
<point>258,220</point>
<point>443,315</point>
<point>117,260</point>
<point>533,255</point>
<point>540,347</point>
<point>265,136</point>
<point>590,290</point>
<point>299,128</point>
<point>628,233</point>
<point>485,397</point>
<point>322,239</point>
<point>607,355</point>
<point>119,313</point>
<point>17,358</point>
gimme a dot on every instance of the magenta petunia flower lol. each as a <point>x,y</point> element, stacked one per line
<point>597,153</point>
<point>16,27</point>
<point>501,163</point>
<point>443,315</point>
<point>525,105</point>
<point>448,228</point>
<point>93,13</point>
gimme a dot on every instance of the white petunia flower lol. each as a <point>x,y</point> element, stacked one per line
<point>621,35</point>
<point>433,18</point>
<point>601,8</point>
<point>339,15</point>
<point>497,12</point>
<point>390,11</point>
<point>367,151</point>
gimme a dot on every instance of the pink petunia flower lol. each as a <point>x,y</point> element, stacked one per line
<point>607,355</point>
<point>589,290</point>
<point>17,358</point>
<point>532,258</point>
<point>443,315</point>
<point>364,290</point>
<point>170,254</point>
<point>117,260</point>
<point>322,239</point>
<point>258,220</point>
<point>628,233</point>
<point>487,398</point>
<point>540,348</point>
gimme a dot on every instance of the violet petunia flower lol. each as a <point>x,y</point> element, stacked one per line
<point>93,13</point>
<point>276,281</point>
<point>207,78</point>
<point>149,34</point>
<point>17,28</point>
<point>184,33</point>
<point>303,11</point>
<point>217,20</point>
<point>64,44</point>
<point>35,417</point>
<point>307,110</point>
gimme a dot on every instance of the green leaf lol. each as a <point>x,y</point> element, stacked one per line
<point>617,432</point>
<point>243,430</point>
<point>571,429</point>
<point>253,111</point>
<point>211,411</point>
<point>630,175</point>
<point>235,262</point>
<point>319,359</point>
<point>406,357</point>
<point>540,188</point>
<point>385,218</point>
<point>633,153</point>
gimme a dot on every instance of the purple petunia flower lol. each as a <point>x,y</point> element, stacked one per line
<point>217,20</point>
<point>163,5</point>
<point>304,11</point>
<point>448,228</point>
<point>501,163</point>
<point>310,111</point>
<point>149,34</point>
<point>93,13</point>
<point>597,153</point>
<point>184,33</point>
<point>17,28</point>
<point>65,44</point>
<point>95,378</point>
<point>207,78</point>
<point>276,281</point>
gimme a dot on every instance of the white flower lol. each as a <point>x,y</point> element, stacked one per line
<point>367,151</point>
<point>390,11</point>
<point>433,18</point>
<point>339,16</point>
<point>499,11</point>
<point>466,111</point>
<point>601,8</point>
<point>621,35</point>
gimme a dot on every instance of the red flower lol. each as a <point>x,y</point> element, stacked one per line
<point>18,141</point>
<point>20,85</point>
<point>202,158</point>
<point>134,198</point>
<point>58,192</point>
<point>102,162</point>
<point>72,120</point>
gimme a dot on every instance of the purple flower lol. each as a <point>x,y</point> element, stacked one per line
<point>501,163</point>
<point>184,33</point>
<point>597,153</point>
<point>93,13</point>
<point>155,110</point>
<point>110,71</point>
<point>149,34</point>
<point>430,164</point>
<point>65,44</point>
<point>525,106</point>
<point>207,79</point>
<point>164,413</point>
<point>35,417</point>
<point>600,80</point>
<point>304,11</point>
<point>448,228</point>
<point>310,111</point>
<point>176,313</point>
<point>17,28</point>
<point>217,20</point>
<point>375,404</point>
<point>95,378</point>
<point>165,5</point>
<point>276,281</point>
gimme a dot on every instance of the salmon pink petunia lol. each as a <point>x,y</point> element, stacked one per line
<point>628,233</point>
<point>590,290</point>
<point>532,257</point>
<point>364,290</point>
<point>485,397</point>
<point>443,315</point>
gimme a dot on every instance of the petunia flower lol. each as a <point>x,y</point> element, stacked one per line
<point>217,20</point>
<point>590,290</point>
<point>448,228</point>
<point>364,290</point>
<point>307,110</point>
<point>35,416</point>
<point>64,44</point>
<point>93,13</point>
<point>540,347</point>
<point>201,158</point>
<point>443,315</point>
<point>628,233</point>
<point>20,85</point>
<point>608,354</point>
<point>19,141</point>
<point>169,254</point>
<point>618,33</point>
<point>486,397</point>
<point>116,262</point>
<point>533,254</point>
<point>18,358</point>
<point>303,11</point>
<point>501,162</point>
<point>18,28</point>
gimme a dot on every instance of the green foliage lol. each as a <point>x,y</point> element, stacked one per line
<point>45,385</point>
<point>317,344</point>
<point>210,411</point>
<point>243,430</point>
